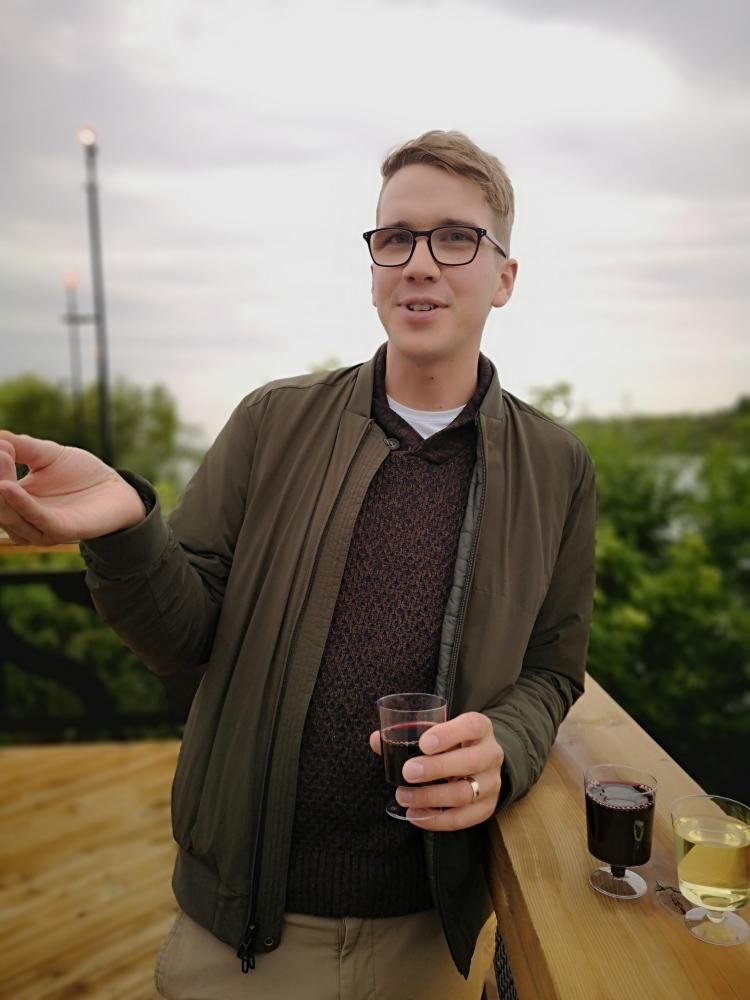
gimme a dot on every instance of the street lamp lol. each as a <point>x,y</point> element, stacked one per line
<point>87,138</point>
<point>73,319</point>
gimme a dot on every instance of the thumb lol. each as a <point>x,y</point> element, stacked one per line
<point>375,742</point>
<point>34,452</point>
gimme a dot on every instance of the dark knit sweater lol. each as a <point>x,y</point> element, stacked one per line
<point>348,857</point>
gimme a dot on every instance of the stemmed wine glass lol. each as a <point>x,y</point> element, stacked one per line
<point>619,821</point>
<point>712,849</point>
<point>403,720</point>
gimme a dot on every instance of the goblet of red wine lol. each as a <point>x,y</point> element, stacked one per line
<point>403,720</point>
<point>619,821</point>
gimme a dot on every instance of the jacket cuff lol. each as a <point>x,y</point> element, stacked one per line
<point>511,779</point>
<point>121,554</point>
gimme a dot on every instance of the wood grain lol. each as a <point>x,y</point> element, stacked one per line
<point>8,548</point>
<point>567,942</point>
<point>86,854</point>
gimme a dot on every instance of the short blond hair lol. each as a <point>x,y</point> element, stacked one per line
<point>457,154</point>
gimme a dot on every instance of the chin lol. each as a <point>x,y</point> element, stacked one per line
<point>422,345</point>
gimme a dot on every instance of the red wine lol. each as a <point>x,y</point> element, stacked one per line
<point>399,743</point>
<point>620,820</point>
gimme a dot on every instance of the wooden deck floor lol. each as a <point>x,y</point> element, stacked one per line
<point>86,853</point>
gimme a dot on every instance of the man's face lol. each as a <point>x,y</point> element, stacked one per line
<point>423,197</point>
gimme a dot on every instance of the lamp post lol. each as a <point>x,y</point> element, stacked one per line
<point>73,319</point>
<point>87,138</point>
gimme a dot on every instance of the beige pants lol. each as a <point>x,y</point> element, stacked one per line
<point>321,958</point>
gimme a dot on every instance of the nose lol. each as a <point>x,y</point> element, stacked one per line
<point>422,264</point>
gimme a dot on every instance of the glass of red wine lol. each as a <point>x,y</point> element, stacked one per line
<point>403,720</point>
<point>620,822</point>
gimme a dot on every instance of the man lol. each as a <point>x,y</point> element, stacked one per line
<point>401,525</point>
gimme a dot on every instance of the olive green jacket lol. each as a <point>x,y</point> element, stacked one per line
<point>242,583</point>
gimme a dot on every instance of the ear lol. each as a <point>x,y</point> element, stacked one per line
<point>372,284</point>
<point>505,283</point>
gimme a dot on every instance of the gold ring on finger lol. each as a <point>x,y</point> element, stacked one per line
<point>474,789</point>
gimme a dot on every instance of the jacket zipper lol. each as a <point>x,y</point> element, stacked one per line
<point>451,677</point>
<point>246,948</point>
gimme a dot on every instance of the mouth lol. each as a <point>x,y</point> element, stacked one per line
<point>420,307</point>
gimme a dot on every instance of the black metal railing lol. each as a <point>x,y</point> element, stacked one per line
<point>100,714</point>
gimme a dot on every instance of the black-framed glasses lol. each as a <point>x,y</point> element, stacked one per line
<point>450,246</point>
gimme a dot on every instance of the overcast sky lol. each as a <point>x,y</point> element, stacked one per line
<point>230,132</point>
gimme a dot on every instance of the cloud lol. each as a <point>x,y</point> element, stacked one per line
<point>227,139</point>
<point>708,42</point>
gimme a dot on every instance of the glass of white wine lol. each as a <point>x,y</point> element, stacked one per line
<point>712,848</point>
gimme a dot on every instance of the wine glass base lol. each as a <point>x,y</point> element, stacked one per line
<point>395,811</point>
<point>629,886</point>
<point>729,931</point>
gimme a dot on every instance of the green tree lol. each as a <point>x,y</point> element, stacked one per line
<point>722,512</point>
<point>87,656</point>
<point>637,493</point>
<point>554,400</point>
<point>670,637</point>
<point>148,435</point>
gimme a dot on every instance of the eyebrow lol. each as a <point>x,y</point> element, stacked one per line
<point>401,224</point>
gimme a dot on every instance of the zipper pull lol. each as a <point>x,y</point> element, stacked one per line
<point>245,950</point>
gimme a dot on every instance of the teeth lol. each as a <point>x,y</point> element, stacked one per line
<point>420,307</point>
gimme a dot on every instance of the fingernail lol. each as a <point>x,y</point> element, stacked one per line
<point>412,771</point>
<point>404,796</point>
<point>420,814</point>
<point>429,743</point>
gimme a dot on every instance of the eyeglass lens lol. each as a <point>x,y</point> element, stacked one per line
<point>449,244</point>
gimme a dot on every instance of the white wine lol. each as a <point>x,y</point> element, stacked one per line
<point>713,860</point>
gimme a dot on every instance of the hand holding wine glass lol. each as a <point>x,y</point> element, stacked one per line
<point>67,495</point>
<point>453,780</point>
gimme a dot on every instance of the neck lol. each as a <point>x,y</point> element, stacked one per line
<point>430,385</point>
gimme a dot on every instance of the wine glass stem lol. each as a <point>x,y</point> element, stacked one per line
<point>714,917</point>
<point>618,871</point>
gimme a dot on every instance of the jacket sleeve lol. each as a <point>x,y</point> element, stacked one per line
<point>160,585</point>
<point>552,675</point>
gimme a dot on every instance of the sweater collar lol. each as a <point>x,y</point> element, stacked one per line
<point>492,405</point>
<point>446,443</point>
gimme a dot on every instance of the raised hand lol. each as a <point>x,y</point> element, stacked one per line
<point>67,495</point>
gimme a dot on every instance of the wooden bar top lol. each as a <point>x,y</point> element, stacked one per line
<point>8,548</point>
<point>564,940</point>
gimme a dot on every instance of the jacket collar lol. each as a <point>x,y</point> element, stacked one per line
<point>360,402</point>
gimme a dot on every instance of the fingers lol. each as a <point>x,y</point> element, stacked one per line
<point>447,820</point>
<point>24,519</point>
<point>465,728</point>
<point>451,805</point>
<point>446,795</point>
<point>34,452</point>
<point>454,763</point>
<point>7,462</point>
<point>454,793</point>
<point>19,530</point>
<point>375,742</point>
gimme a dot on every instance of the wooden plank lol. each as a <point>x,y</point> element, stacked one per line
<point>8,548</point>
<point>86,855</point>
<point>567,942</point>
